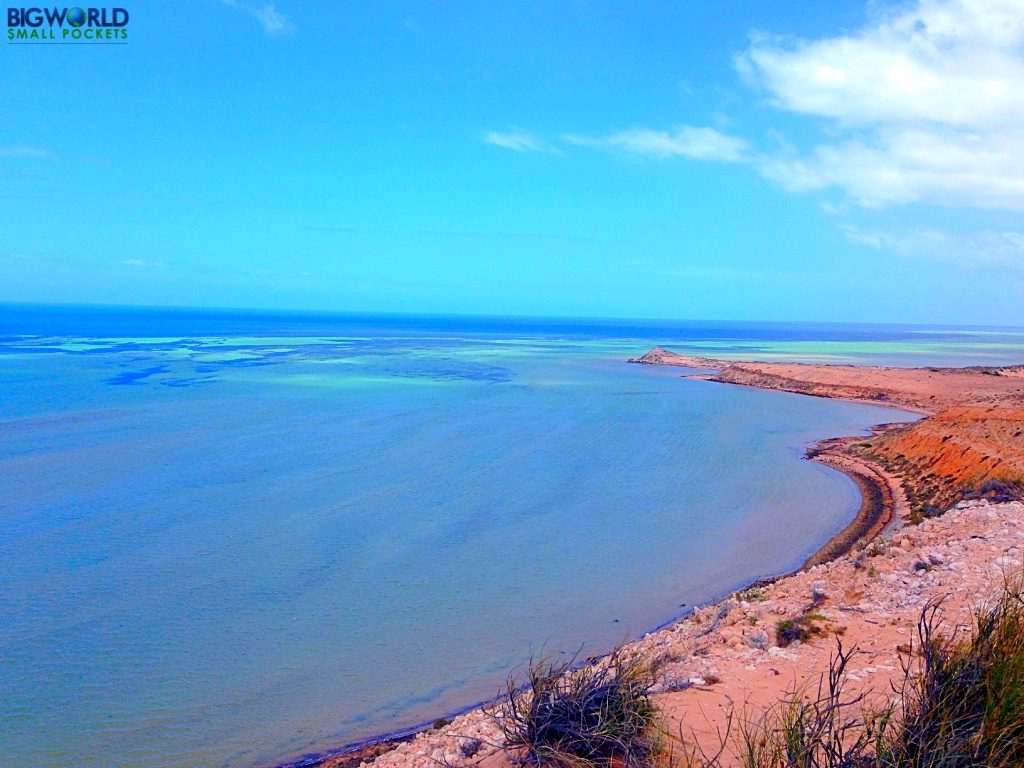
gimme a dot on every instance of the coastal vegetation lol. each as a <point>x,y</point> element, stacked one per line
<point>959,704</point>
<point>597,714</point>
<point>965,707</point>
<point>800,628</point>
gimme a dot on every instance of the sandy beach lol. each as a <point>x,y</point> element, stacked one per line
<point>939,521</point>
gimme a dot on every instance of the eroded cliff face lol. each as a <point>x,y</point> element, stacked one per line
<point>953,453</point>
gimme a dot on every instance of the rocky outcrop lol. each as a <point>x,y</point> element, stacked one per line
<point>660,356</point>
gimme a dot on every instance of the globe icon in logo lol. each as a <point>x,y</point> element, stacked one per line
<point>76,17</point>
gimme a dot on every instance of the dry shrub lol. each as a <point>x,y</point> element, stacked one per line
<point>960,705</point>
<point>965,707</point>
<point>597,714</point>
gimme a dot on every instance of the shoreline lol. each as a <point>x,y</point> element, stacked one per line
<point>880,507</point>
<point>713,377</point>
<point>887,498</point>
<point>881,504</point>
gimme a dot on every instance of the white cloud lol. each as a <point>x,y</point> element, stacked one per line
<point>906,242</point>
<point>142,263</point>
<point>904,165</point>
<point>955,62</point>
<point>927,101</point>
<point>985,248</point>
<point>24,152</point>
<point>516,140</point>
<point>684,141</point>
<point>274,22</point>
<point>924,104</point>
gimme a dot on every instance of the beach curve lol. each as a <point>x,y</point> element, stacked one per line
<point>890,498</point>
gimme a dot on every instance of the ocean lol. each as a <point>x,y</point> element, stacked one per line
<point>234,538</point>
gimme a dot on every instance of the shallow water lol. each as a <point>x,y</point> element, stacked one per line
<point>231,539</point>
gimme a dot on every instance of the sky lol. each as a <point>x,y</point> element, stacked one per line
<point>749,160</point>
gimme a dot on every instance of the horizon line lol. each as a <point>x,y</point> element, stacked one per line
<point>267,311</point>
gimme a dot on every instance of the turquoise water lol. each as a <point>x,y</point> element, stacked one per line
<point>234,539</point>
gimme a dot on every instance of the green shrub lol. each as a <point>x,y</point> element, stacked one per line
<point>822,728</point>
<point>996,490</point>
<point>801,628</point>
<point>754,595</point>
<point>960,705</point>
<point>966,706</point>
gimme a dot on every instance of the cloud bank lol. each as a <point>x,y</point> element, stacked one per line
<point>927,102</point>
<point>922,105</point>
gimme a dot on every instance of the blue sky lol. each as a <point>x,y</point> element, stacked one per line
<point>817,161</point>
